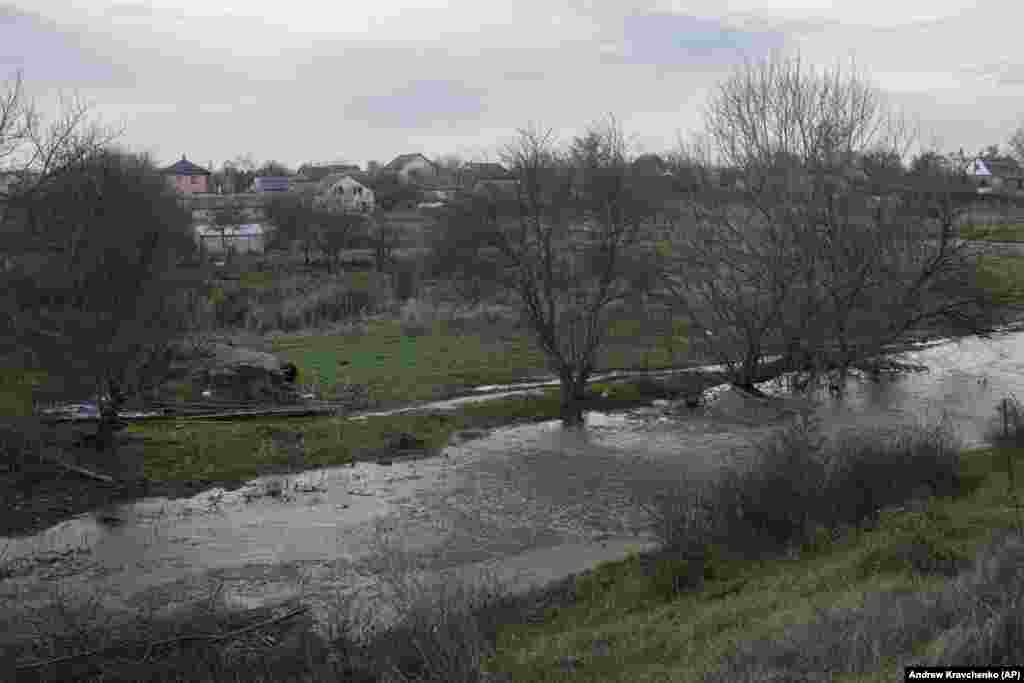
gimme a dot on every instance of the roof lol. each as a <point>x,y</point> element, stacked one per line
<point>651,164</point>
<point>489,171</point>
<point>185,167</point>
<point>1003,166</point>
<point>320,171</point>
<point>333,178</point>
<point>401,160</point>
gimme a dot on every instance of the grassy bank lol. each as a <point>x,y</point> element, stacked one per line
<point>1003,275</point>
<point>428,358</point>
<point>932,579</point>
<point>219,451</point>
<point>1000,232</point>
<point>856,602</point>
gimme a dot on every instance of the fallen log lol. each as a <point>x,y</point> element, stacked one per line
<point>57,460</point>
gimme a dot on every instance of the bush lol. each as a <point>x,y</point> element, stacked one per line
<point>21,442</point>
<point>407,280</point>
<point>875,471</point>
<point>799,488</point>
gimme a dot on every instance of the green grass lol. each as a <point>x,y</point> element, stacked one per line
<point>745,606</point>
<point>211,450</point>
<point>1008,232</point>
<point>16,386</point>
<point>238,451</point>
<point>399,367</point>
<point>1004,275</point>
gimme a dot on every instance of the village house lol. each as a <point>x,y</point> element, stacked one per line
<point>996,174</point>
<point>317,172</point>
<point>271,184</point>
<point>480,177</point>
<point>187,178</point>
<point>412,169</point>
<point>344,193</point>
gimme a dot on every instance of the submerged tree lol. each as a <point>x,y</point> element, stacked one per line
<point>816,245</point>
<point>568,243</point>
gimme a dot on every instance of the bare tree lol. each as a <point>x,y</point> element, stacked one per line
<point>813,244</point>
<point>226,217</point>
<point>293,220</point>
<point>384,237</point>
<point>336,232</point>
<point>1016,143</point>
<point>33,150</point>
<point>97,292</point>
<point>567,245</point>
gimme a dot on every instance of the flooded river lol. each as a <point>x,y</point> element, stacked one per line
<point>526,504</point>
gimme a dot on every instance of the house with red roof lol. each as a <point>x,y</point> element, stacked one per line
<point>187,178</point>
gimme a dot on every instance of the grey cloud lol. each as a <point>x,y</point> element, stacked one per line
<point>419,104</point>
<point>1001,73</point>
<point>52,56</point>
<point>680,40</point>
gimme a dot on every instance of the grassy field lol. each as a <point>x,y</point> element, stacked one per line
<point>398,366</point>
<point>1003,275</point>
<point>857,607</point>
<point>219,451</point>
<point>1005,232</point>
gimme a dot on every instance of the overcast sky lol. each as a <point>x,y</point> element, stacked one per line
<point>307,80</point>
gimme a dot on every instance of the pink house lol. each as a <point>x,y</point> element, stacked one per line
<point>187,178</point>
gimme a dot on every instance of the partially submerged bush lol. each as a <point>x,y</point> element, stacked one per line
<point>799,488</point>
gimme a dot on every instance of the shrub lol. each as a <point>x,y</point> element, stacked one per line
<point>407,280</point>
<point>873,471</point>
<point>799,488</point>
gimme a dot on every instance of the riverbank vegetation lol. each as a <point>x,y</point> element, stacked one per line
<point>209,452</point>
<point>919,562</point>
<point>996,232</point>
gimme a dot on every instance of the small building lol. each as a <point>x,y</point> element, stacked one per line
<point>187,178</point>
<point>411,168</point>
<point>240,239</point>
<point>486,177</point>
<point>318,172</point>
<point>999,174</point>
<point>344,193</point>
<point>271,184</point>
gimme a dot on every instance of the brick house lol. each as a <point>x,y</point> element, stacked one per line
<point>187,178</point>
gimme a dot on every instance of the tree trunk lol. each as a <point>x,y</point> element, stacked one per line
<point>574,386</point>
<point>105,436</point>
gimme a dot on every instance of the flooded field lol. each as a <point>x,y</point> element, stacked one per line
<point>527,504</point>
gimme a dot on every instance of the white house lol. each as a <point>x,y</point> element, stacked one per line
<point>412,168</point>
<point>344,193</point>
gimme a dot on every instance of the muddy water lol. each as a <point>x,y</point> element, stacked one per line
<point>525,504</point>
